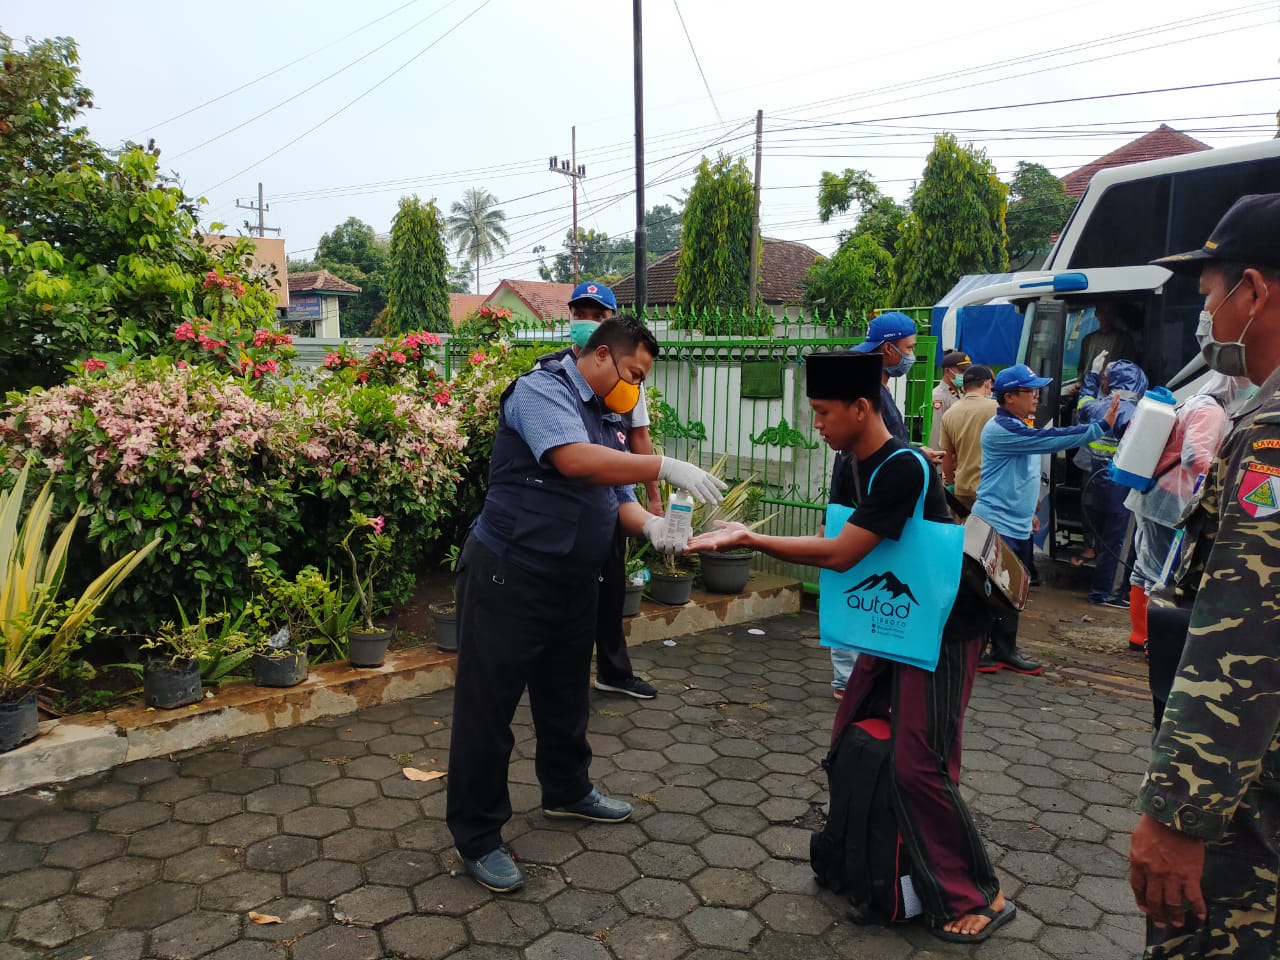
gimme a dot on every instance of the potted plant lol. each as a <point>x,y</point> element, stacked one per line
<point>332,614</point>
<point>671,581</point>
<point>286,618</point>
<point>444,613</point>
<point>636,571</point>
<point>186,653</point>
<point>367,643</point>
<point>38,631</point>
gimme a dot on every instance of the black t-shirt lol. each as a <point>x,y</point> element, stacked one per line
<point>885,510</point>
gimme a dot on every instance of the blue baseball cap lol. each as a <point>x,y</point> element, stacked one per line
<point>594,291</point>
<point>884,328</point>
<point>1019,376</point>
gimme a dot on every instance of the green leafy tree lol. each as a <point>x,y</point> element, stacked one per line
<point>98,251</point>
<point>662,229</point>
<point>956,225</point>
<point>459,278</point>
<point>598,258</point>
<point>1038,208</point>
<point>475,227</point>
<point>853,282</point>
<point>712,268</point>
<point>417,271</point>
<point>878,215</point>
<point>353,252</point>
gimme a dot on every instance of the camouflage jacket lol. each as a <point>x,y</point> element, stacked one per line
<point>1215,767</point>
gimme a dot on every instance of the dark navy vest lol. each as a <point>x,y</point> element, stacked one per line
<point>537,518</point>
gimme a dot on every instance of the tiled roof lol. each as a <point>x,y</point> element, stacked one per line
<point>782,268</point>
<point>461,304</point>
<point>1163,141</point>
<point>548,301</point>
<point>319,281</point>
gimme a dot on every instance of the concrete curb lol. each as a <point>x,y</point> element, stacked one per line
<point>90,743</point>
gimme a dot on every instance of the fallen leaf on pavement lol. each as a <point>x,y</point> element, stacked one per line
<point>263,918</point>
<point>413,773</point>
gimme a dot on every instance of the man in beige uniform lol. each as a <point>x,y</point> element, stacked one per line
<point>962,434</point>
<point>947,393</point>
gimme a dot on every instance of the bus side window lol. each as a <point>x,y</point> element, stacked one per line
<point>1080,323</point>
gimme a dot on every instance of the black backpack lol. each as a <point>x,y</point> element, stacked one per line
<point>860,851</point>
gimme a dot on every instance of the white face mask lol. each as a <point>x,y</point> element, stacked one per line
<point>1227,358</point>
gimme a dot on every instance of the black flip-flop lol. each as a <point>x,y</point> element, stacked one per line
<point>996,920</point>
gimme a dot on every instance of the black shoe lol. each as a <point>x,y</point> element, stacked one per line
<point>495,871</point>
<point>988,664</point>
<point>632,687</point>
<point>595,807</point>
<point>1020,664</point>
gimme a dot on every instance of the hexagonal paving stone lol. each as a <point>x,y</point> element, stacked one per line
<point>315,821</point>
<point>1062,908</point>
<point>133,817</point>
<point>52,827</point>
<point>115,877</point>
<point>241,891</point>
<point>507,923</point>
<point>675,827</point>
<point>790,913</point>
<point>37,885</point>
<point>250,950</point>
<point>200,865</point>
<point>322,879</point>
<point>80,852</point>
<point>402,868</point>
<point>370,905</point>
<point>742,853</point>
<point>385,814</point>
<point>195,934</point>
<point>451,895</point>
<point>54,923</point>
<point>281,854</point>
<point>146,771</point>
<point>658,898</point>
<point>567,946</point>
<point>148,907</point>
<point>278,798</point>
<point>297,918</point>
<point>547,846</point>
<point>743,821</point>
<point>349,943</point>
<point>722,927</point>
<point>104,945</point>
<point>682,800</point>
<point>242,830</point>
<point>242,781</point>
<point>648,938</point>
<point>356,844</point>
<point>585,911</point>
<point>274,758</point>
<point>599,871</point>
<point>689,753</point>
<point>373,767</point>
<point>309,773</point>
<point>788,843</point>
<point>103,796</point>
<point>722,887</point>
<point>346,792</point>
<point>424,938</point>
<point>211,763</point>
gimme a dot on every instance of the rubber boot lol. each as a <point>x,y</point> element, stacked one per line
<point>1137,618</point>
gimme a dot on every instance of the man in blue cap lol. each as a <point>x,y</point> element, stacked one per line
<point>590,304</point>
<point>1010,485</point>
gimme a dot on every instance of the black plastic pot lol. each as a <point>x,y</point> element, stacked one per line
<point>18,721</point>
<point>367,648</point>
<point>726,572</point>
<point>631,603</point>
<point>444,620</point>
<point>671,589</point>
<point>168,685</point>
<point>286,668</point>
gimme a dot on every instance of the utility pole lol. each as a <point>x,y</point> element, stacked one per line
<point>753,251</point>
<point>642,236</point>
<point>574,172</point>
<point>261,209</point>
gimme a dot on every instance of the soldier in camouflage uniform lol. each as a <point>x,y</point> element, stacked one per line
<point>1205,856</point>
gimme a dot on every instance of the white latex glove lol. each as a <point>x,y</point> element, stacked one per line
<point>655,529</point>
<point>704,487</point>
<point>1099,363</point>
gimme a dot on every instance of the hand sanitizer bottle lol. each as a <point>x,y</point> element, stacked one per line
<point>680,516</point>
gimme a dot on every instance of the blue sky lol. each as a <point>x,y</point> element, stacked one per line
<point>434,96</point>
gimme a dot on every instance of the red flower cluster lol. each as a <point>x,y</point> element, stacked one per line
<point>487,312</point>
<point>215,280</point>
<point>269,338</point>
<point>441,396</point>
<point>339,361</point>
<point>93,363</point>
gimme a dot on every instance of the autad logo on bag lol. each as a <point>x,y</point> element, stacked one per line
<point>885,596</point>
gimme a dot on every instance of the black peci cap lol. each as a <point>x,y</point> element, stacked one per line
<point>977,374</point>
<point>1248,233</point>
<point>842,375</point>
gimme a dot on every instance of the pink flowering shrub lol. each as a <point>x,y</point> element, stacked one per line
<point>153,448</point>
<point>407,358</point>
<point>222,472</point>
<point>242,351</point>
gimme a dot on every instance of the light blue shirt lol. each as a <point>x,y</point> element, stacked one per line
<point>546,414</point>
<point>1010,484</point>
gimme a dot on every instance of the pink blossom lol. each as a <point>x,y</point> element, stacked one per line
<point>93,363</point>
<point>441,397</point>
<point>477,358</point>
<point>184,331</point>
<point>377,523</point>
<point>398,357</point>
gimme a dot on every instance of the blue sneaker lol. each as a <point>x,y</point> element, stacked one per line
<point>594,806</point>
<point>495,871</point>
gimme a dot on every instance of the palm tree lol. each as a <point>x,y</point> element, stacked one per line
<point>475,225</point>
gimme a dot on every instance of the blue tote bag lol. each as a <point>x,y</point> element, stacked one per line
<point>895,601</point>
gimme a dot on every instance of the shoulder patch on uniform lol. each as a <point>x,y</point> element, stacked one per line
<point>1259,491</point>
<point>1271,443</point>
<point>937,405</point>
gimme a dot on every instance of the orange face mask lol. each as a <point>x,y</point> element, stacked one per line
<point>624,396</point>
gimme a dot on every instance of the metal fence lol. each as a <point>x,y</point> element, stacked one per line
<point>732,386</point>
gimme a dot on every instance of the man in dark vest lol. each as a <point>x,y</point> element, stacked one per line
<point>560,483</point>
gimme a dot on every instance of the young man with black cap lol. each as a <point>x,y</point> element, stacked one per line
<point>958,888</point>
<point>947,392</point>
<point>590,304</point>
<point>962,434</point>
<point>1010,486</point>
<point>1205,856</point>
<point>560,484</point>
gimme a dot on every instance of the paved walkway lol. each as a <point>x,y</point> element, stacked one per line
<point>319,826</point>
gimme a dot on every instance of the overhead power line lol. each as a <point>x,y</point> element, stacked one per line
<point>698,63</point>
